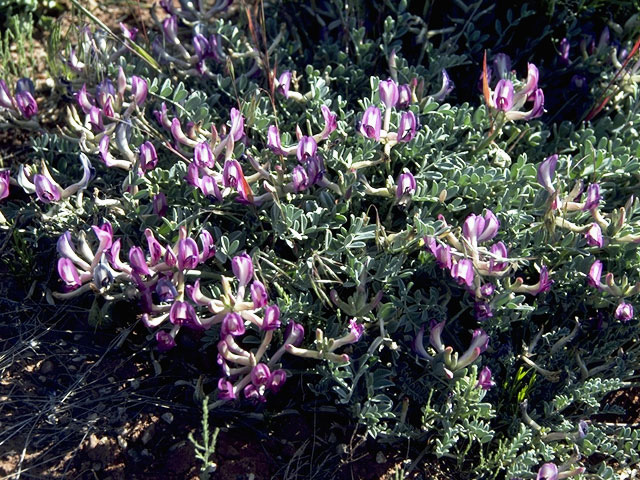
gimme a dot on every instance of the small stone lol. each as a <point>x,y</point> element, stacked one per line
<point>167,417</point>
<point>380,458</point>
<point>135,384</point>
<point>148,434</point>
<point>341,448</point>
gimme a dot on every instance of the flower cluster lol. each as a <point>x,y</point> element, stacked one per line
<point>505,97</point>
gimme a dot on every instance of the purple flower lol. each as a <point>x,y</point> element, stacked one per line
<point>294,334</point>
<point>284,83</point>
<point>165,341</point>
<point>502,65</point>
<point>277,379</point>
<point>482,311</point>
<point>232,324</point>
<point>232,174</point>
<point>273,141</point>
<point>242,267</point>
<point>487,289</point>
<point>491,226</point>
<point>183,313</point>
<point>388,90</point>
<point>155,249</point>
<point>532,81</point>
<point>160,206</point>
<point>548,471</point>
<point>26,104</point>
<point>95,118</point>
<point>441,252</point>
<point>593,197</point>
<point>538,105</point>
<point>330,121</point>
<point>139,90</point>
<point>259,294</point>
<point>188,254</point>
<point>503,95</point>
<point>203,156</point>
<point>484,379</point>
<point>579,82</point>
<point>237,125</point>
<point>404,96</point>
<point>225,390</point>
<point>193,175</point>
<point>446,89</point>
<point>271,319</point>
<point>407,127</point>
<point>594,236</point>
<point>315,170</point>
<point>4,184</point>
<point>624,312</point>
<point>371,123</point>
<point>544,284</point>
<point>165,290</point>
<point>565,46</point>
<point>46,190</point>
<point>148,156</point>
<point>260,375</point>
<point>307,148</point>
<point>546,173</point>
<point>463,272</point>
<point>208,246</point>
<point>499,249</point>
<point>299,178</point>
<point>138,261</point>
<point>435,332</point>
<point>201,46</point>
<point>178,134</point>
<point>128,33</point>
<point>406,185</point>
<point>68,273</point>
<point>170,29</point>
<point>355,330</point>
<point>595,274</point>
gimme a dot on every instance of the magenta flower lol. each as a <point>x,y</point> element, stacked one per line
<point>404,96</point>
<point>315,170</point>
<point>232,174</point>
<point>46,190</point>
<point>388,90</point>
<point>284,83</point>
<point>277,379</point>
<point>128,33</point>
<point>307,148</point>
<point>435,333</point>
<point>546,173</point>
<point>6,100</point>
<point>273,141</point>
<point>271,319</point>
<point>406,185</point>
<point>484,379</point>
<point>232,324</point>
<point>237,125</point>
<point>330,121</point>
<point>624,312</point>
<point>225,390</point>
<point>491,226</point>
<point>371,123</point>
<point>593,197</point>
<point>595,274</point>
<point>155,249</point>
<point>463,272</point>
<point>165,290</point>
<point>299,179</point>
<point>188,254</point>
<point>26,104</point>
<point>242,266</point>
<point>441,252</point>
<point>4,184</point>
<point>68,273</point>
<point>208,246</point>
<point>294,334</point>
<point>148,157</point>
<point>260,375</point>
<point>138,261</point>
<point>160,205</point>
<point>203,156</point>
<point>355,329</point>
<point>259,294</point>
<point>503,95</point>
<point>183,313</point>
<point>544,284</point>
<point>407,127</point>
<point>487,289</point>
<point>499,249</point>
<point>548,471</point>
<point>594,236</point>
<point>165,341</point>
